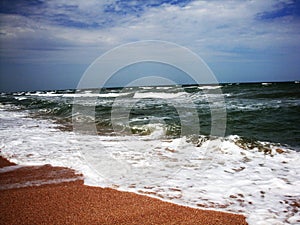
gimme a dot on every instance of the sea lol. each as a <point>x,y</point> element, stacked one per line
<point>229,147</point>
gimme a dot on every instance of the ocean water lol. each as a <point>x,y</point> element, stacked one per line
<point>232,147</point>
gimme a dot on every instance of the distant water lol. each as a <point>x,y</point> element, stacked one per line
<point>257,112</point>
<point>252,169</point>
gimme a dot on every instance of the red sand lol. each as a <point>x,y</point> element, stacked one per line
<point>75,203</point>
<point>4,162</point>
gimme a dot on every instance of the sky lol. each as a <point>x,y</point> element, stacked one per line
<point>49,44</point>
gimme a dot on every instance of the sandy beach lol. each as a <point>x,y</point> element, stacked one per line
<point>63,199</point>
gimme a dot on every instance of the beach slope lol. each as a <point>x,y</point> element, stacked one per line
<point>57,195</point>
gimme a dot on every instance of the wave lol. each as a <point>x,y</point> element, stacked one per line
<point>210,87</point>
<point>291,94</point>
<point>248,107</point>
<point>21,98</point>
<point>79,95</point>
<point>161,95</point>
<point>266,84</point>
<point>164,88</point>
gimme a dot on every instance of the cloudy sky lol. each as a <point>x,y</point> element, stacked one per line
<point>48,44</point>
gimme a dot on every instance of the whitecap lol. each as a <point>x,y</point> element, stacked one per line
<point>162,95</point>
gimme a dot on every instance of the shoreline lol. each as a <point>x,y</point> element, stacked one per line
<point>62,198</point>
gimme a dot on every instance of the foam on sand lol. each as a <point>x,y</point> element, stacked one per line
<point>258,179</point>
<point>67,201</point>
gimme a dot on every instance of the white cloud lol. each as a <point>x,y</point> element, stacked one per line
<point>210,28</point>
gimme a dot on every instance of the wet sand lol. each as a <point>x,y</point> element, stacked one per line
<point>56,195</point>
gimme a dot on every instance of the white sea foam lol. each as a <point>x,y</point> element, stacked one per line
<point>106,95</point>
<point>220,173</point>
<point>209,87</point>
<point>78,95</point>
<point>146,88</point>
<point>40,94</point>
<point>35,183</point>
<point>262,104</point>
<point>266,84</point>
<point>20,98</point>
<point>10,168</point>
<point>164,88</point>
<point>162,95</point>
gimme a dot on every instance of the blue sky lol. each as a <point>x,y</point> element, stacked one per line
<point>49,44</point>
